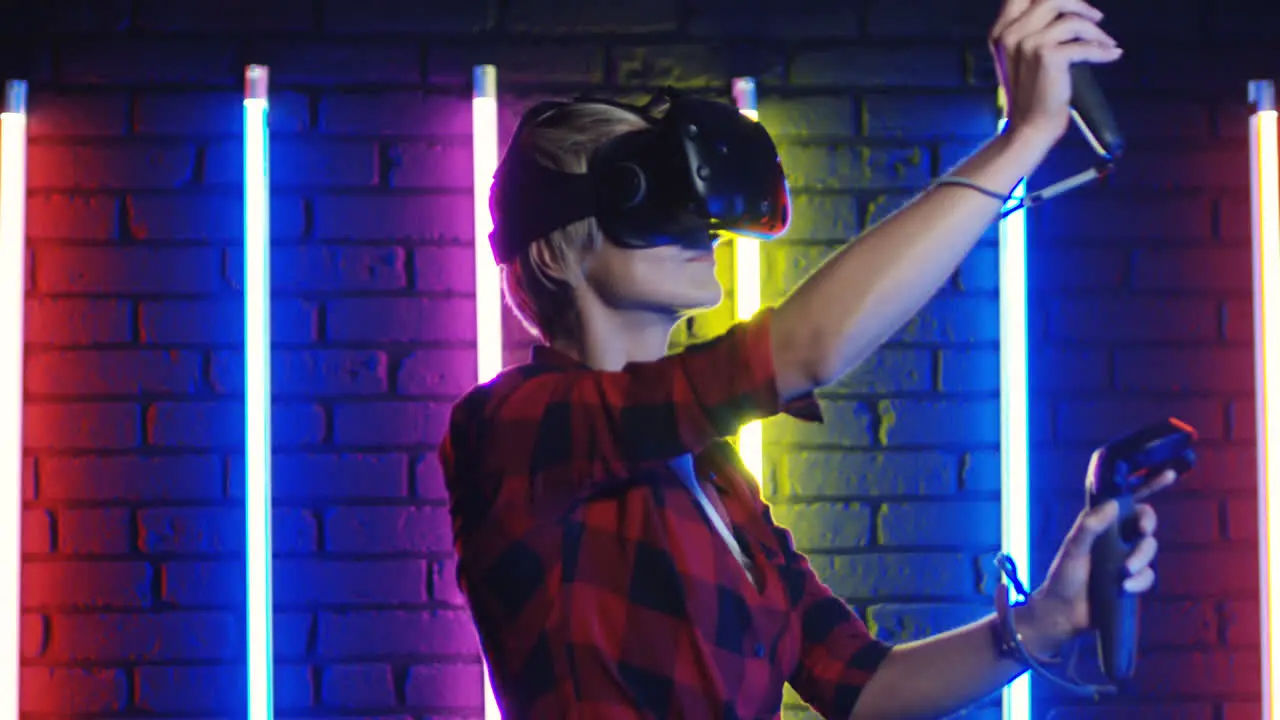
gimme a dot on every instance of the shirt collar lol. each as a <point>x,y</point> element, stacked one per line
<point>547,355</point>
<point>714,460</point>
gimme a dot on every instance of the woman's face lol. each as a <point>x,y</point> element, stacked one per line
<point>669,279</point>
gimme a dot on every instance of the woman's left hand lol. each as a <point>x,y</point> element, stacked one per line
<point>1058,610</point>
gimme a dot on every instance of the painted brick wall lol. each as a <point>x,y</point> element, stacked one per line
<point>133,484</point>
<point>1142,307</point>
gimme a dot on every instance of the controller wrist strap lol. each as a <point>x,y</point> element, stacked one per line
<point>1098,171</point>
<point>1010,643</point>
<point>1065,185</point>
<point>1013,203</point>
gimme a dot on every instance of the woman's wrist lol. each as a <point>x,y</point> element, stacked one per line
<point>1005,160</point>
<point>1045,633</point>
<point>1034,141</point>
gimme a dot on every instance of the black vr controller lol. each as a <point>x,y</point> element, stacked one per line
<point>1093,115</point>
<point>1117,471</point>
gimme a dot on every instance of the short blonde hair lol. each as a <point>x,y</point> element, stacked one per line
<point>564,140</point>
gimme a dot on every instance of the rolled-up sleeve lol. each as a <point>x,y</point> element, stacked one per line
<point>838,654</point>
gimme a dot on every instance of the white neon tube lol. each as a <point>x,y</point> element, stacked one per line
<point>746,285</point>
<point>257,393</point>
<point>1265,201</point>
<point>484,158</point>
<point>1015,492</point>
<point>13,282</point>
<point>484,163</point>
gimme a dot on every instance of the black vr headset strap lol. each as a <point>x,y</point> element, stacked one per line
<point>520,218</point>
<point>523,219</point>
<point>526,219</point>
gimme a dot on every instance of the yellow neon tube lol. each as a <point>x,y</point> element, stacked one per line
<point>746,288</point>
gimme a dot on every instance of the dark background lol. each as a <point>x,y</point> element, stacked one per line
<point>1140,308</point>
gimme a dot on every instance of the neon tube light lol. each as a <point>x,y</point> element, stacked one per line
<point>746,284</point>
<point>484,163</point>
<point>1265,201</point>
<point>13,283</point>
<point>1015,492</point>
<point>484,158</point>
<point>257,393</point>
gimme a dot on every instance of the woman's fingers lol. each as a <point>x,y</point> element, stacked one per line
<point>1160,482</point>
<point>1141,582</point>
<point>1008,32</point>
<point>1066,29</point>
<point>1142,555</point>
<point>1085,52</point>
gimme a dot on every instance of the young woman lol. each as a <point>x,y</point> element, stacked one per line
<point>618,561</point>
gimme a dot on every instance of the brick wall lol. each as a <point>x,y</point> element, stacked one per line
<point>1140,300</point>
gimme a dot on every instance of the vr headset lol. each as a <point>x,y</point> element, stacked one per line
<point>699,169</point>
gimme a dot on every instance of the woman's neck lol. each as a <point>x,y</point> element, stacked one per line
<point>609,339</point>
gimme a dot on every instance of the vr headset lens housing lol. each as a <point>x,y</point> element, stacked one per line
<point>737,178</point>
<point>699,170</point>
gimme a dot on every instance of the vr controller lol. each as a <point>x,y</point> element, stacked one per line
<point>1116,472</point>
<point>1093,115</point>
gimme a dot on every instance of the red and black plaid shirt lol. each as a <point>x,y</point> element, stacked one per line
<point>599,588</point>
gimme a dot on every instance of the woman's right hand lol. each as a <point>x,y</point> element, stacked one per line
<point>1035,43</point>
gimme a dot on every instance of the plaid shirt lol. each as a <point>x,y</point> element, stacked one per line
<point>598,587</point>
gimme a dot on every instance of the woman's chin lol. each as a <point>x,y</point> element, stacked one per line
<point>695,302</point>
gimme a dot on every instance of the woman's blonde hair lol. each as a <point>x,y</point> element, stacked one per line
<point>564,141</point>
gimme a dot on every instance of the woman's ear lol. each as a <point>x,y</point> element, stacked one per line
<point>551,263</point>
<point>545,261</point>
